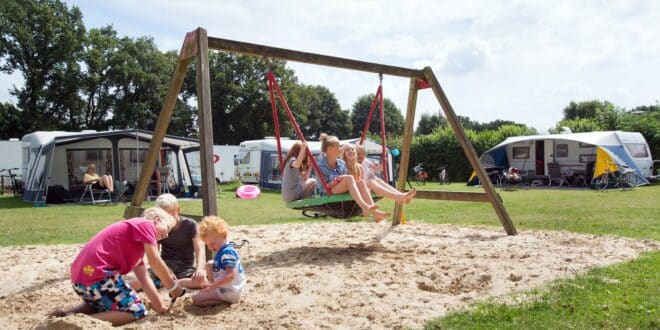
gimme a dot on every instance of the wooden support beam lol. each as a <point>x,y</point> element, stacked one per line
<point>462,196</point>
<point>405,150</point>
<point>159,134</point>
<point>470,153</point>
<point>304,57</point>
<point>209,202</point>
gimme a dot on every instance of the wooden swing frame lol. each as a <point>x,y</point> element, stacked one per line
<point>197,44</point>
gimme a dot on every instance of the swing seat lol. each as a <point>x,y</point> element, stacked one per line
<point>340,206</point>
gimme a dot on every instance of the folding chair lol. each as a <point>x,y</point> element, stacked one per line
<point>95,199</point>
<point>555,174</point>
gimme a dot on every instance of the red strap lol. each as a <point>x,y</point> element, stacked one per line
<point>377,98</point>
<point>383,157</point>
<point>274,87</point>
<point>276,121</point>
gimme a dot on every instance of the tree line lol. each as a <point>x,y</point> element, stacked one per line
<point>75,79</point>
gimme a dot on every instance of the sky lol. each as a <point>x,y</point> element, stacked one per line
<point>522,61</point>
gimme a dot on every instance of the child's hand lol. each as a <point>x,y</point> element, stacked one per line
<point>207,286</point>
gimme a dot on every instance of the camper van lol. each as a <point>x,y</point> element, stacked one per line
<point>223,163</point>
<point>57,158</point>
<point>257,161</point>
<point>582,153</point>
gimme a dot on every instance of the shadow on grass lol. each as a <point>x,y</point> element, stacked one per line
<point>13,203</point>
<point>317,255</point>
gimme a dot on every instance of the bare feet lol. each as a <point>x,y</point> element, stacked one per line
<point>380,215</point>
<point>410,195</point>
<point>369,210</point>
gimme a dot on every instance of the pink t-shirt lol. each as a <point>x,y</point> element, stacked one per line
<point>117,249</point>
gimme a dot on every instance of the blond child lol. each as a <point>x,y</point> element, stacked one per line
<point>97,273</point>
<point>339,181</point>
<point>356,159</point>
<point>226,276</point>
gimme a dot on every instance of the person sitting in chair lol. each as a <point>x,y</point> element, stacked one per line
<point>97,182</point>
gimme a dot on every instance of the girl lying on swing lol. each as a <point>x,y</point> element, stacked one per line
<point>336,175</point>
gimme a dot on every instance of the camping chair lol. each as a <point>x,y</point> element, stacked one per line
<point>95,196</point>
<point>121,187</point>
<point>555,174</point>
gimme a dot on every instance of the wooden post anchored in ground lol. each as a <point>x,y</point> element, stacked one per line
<point>469,152</point>
<point>407,143</point>
<point>159,134</point>
<point>209,203</point>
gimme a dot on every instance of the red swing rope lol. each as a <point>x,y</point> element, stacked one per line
<point>378,99</point>
<point>273,88</point>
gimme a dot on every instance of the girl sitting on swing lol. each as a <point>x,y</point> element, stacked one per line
<point>296,183</point>
<point>339,181</point>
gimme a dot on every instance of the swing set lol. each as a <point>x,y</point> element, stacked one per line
<point>197,44</point>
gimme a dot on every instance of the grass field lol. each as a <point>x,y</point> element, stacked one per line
<point>621,296</point>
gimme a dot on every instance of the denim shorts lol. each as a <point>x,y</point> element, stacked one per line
<point>112,294</point>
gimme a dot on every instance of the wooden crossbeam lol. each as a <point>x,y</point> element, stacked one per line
<point>305,57</point>
<point>462,196</point>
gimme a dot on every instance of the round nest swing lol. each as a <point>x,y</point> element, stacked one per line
<point>340,206</point>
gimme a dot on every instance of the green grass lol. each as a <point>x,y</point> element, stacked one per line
<point>621,296</point>
<point>624,296</point>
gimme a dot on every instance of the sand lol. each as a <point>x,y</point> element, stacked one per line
<point>334,275</point>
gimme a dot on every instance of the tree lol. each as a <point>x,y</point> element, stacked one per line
<point>10,122</point>
<point>320,112</point>
<point>141,76</point>
<point>42,39</point>
<point>240,104</point>
<point>394,120</point>
<point>429,123</point>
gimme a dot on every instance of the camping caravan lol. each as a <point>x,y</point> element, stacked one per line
<point>257,161</point>
<point>223,163</point>
<point>588,154</point>
<point>59,159</point>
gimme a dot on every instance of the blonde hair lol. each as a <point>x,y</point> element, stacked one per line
<point>328,141</point>
<point>167,202</point>
<point>352,166</point>
<point>91,165</point>
<point>213,224</point>
<point>156,212</point>
<point>360,149</point>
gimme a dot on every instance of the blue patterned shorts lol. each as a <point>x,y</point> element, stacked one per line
<point>112,294</point>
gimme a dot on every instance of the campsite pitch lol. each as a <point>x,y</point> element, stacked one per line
<point>349,275</point>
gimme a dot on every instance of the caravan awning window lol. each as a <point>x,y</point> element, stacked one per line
<point>637,150</point>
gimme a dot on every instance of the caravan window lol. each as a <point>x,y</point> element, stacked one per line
<point>520,152</point>
<point>637,150</point>
<point>561,150</point>
<point>244,157</point>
